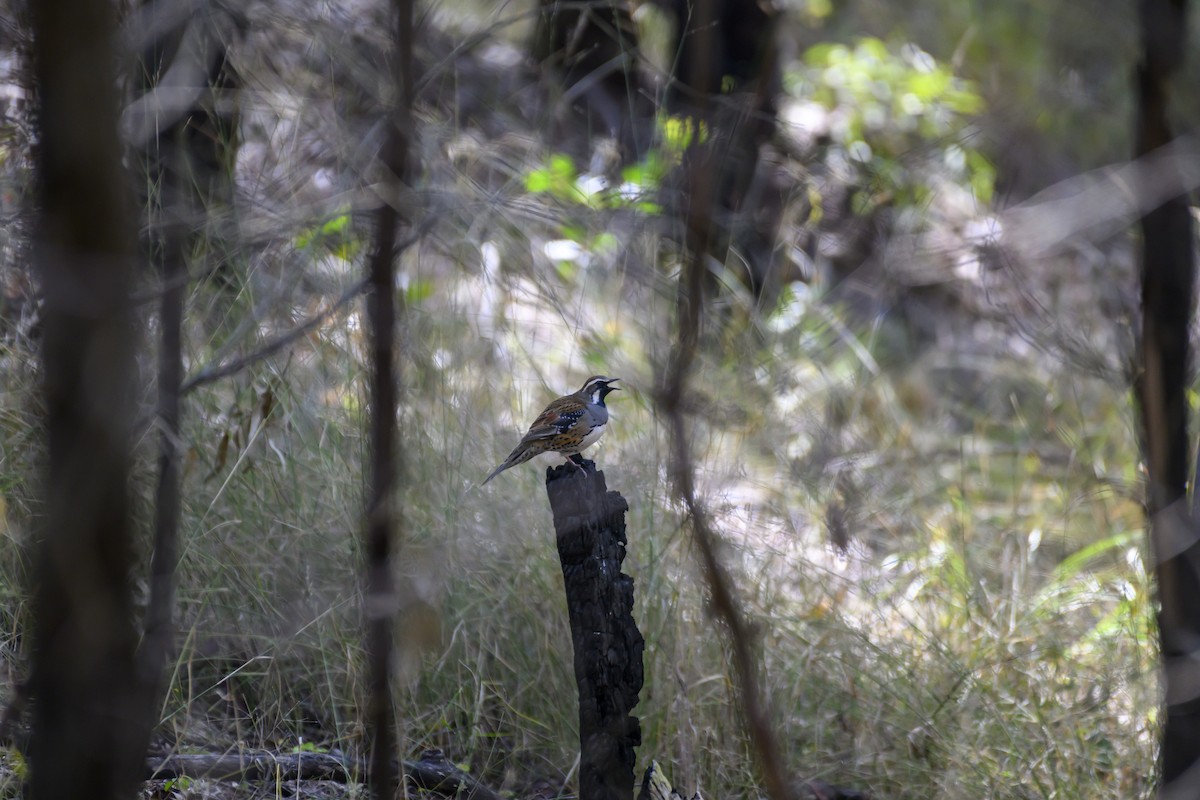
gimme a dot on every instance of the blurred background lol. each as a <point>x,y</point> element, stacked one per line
<point>911,412</point>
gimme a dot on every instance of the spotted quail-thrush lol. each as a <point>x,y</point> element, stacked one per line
<point>568,426</point>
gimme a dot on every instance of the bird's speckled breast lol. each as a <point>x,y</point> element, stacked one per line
<point>592,437</point>
<point>568,444</point>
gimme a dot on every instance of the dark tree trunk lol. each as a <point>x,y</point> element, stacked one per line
<point>589,522</point>
<point>87,701</point>
<point>1168,282</point>
<point>165,216</point>
<point>592,52</point>
<point>728,73</point>
<point>158,640</point>
<point>185,121</point>
<point>380,598</point>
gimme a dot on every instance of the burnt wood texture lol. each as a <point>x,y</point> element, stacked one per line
<point>589,524</point>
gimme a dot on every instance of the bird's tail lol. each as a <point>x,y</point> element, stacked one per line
<point>518,456</point>
<point>497,471</point>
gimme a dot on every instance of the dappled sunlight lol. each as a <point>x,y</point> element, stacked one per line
<point>912,434</point>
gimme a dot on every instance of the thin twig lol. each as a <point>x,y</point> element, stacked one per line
<point>219,371</point>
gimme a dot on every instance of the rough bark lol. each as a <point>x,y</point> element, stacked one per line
<point>87,699</point>
<point>589,522</point>
<point>1168,282</point>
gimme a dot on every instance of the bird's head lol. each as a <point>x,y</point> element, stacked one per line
<point>596,388</point>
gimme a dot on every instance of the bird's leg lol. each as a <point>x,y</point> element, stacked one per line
<point>575,460</point>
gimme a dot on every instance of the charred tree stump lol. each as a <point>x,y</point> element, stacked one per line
<point>589,523</point>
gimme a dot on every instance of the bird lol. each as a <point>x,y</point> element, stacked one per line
<point>568,426</point>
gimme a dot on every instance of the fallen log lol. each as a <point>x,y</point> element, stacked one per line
<point>431,773</point>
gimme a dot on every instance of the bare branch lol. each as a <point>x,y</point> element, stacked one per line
<point>216,373</point>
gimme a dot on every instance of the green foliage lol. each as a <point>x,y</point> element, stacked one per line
<point>180,784</point>
<point>1007,623</point>
<point>14,772</point>
<point>418,291</point>
<point>814,12</point>
<point>885,106</point>
<point>557,178</point>
<point>560,178</point>
<point>679,133</point>
<point>336,236</point>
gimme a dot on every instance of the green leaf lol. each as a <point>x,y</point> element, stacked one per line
<point>339,224</point>
<point>418,291</point>
<point>334,233</point>
<point>182,784</point>
<point>606,242</point>
<point>1073,565</point>
<point>820,55</point>
<point>678,132</point>
<point>538,181</point>
<point>566,269</point>
<point>556,178</point>
<point>872,48</point>
<point>928,86</point>
<point>562,166</point>
<point>982,176</point>
<point>963,101</point>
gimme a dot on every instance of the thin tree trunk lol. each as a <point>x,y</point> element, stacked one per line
<point>381,311</point>
<point>187,152</point>
<point>87,712</point>
<point>700,164</point>
<point>155,649</point>
<point>1168,281</point>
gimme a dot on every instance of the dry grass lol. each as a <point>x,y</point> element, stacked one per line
<point>985,633</point>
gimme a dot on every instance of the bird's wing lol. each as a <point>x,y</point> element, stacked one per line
<point>536,434</point>
<point>552,422</point>
<point>558,418</point>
